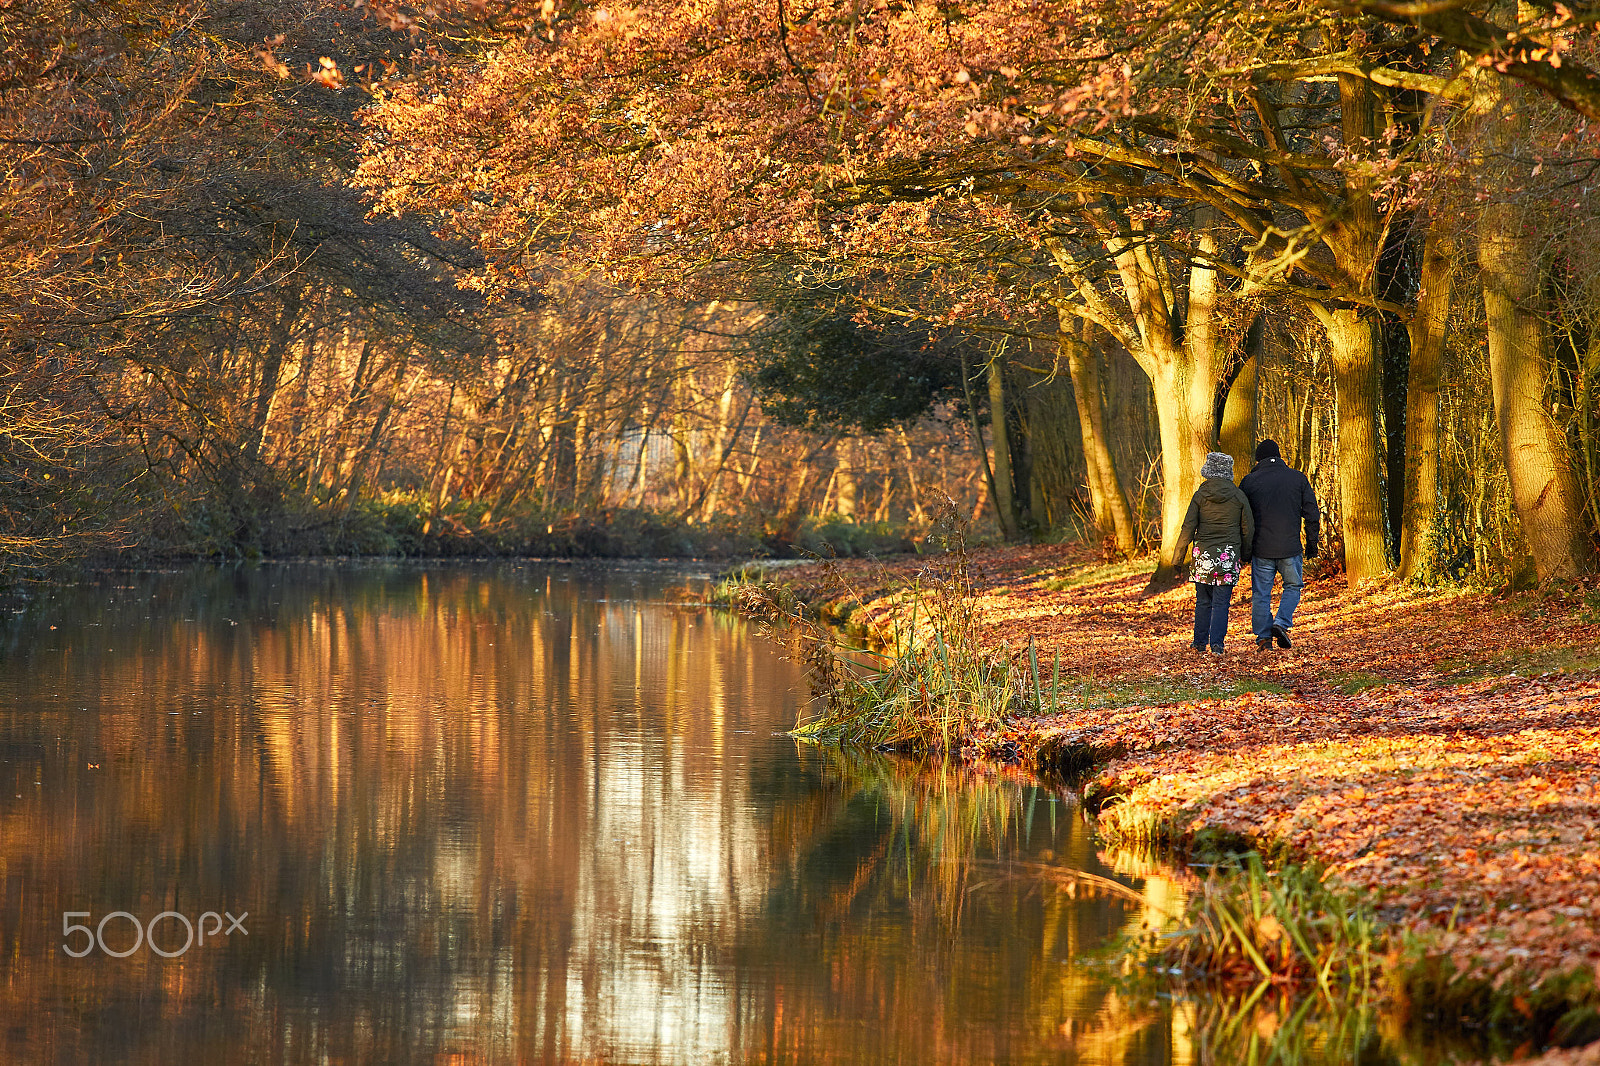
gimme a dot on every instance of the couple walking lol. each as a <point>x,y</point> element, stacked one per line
<point>1255,522</point>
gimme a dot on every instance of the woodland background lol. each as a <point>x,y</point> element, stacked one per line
<point>725,277</point>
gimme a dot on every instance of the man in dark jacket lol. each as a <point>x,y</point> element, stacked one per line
<point>1280,498</point>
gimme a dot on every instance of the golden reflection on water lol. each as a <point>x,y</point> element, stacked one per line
<point>512,814</point>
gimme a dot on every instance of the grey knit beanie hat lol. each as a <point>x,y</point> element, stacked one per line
<point>1218,464</point>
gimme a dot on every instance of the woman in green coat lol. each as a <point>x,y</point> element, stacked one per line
<point>1220,526</point>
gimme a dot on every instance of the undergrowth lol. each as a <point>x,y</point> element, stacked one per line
<point>1254,933</point>
<point>1246,924</point>
<point>932,685</point>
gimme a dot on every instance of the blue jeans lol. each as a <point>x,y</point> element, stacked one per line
<point>1211,615</point>
<point>1262,574</point>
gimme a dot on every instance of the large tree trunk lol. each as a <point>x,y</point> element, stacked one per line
<point>1237,433</point>
<point>1112,515</point>
<point>1355,241</point>
<point>844,472</point>
<point>1355,388</point>
<point>1188,367</point>
<point>1183,395</point>
<point>1182,360</point>
<point>1544,486</point>
<point>1423,378</point>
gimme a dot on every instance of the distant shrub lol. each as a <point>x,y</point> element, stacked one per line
<point>836,535</point>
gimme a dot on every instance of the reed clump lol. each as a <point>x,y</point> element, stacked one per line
<point>1246,924</point>
<point>932,684</point>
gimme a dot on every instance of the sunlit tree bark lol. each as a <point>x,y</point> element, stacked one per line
<point>1424,377</point>
<point>1000,437</point>
<point>1173,338</point>
<point>1109,500</point>
<point>1544,486</point>
<point>1237,433</point>
<point>1354,239</point>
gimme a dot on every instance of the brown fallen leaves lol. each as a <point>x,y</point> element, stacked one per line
<point>1472,812</point>
<point>1584,1056</point>
<point>1405,746</point>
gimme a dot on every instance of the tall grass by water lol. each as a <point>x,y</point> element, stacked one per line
<point>1286,926</point>
<point>932,684</point>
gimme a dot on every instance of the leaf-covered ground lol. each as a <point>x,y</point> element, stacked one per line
<point>1439,748</point>
<point>1584,1056</point>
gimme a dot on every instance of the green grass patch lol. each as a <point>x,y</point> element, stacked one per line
<point>727,585</point>
<point>1095,574</point>
<point>1265,938</point>
<point>1155,691</point>
<point>1358,681</point>
<point>1544,659</point>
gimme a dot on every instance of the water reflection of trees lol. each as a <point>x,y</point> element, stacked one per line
<point>924,891</point>
<point>397,773</point>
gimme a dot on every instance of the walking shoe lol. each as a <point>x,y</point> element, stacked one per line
<point>1263,643</point>
<point>1216,651</point>
<point>1281,635</point>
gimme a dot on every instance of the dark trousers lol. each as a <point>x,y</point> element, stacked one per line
<point>1211,615</point>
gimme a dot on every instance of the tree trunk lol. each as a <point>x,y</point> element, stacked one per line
<point>1423,379</point>
<point>302,381</point>
<point>1544,489</point>
<point>746,477</point>
<point>1183,412</point>
<point>845,472</point>
<point>271,370</point>
<point>999,433</point>
<point>1236,434</point>
<point>1175,344</point>
<point>1355,388</point>
<point>633,495</point>
<point>682,461</point>
<point>977,440</point>
<point>1112,515</point>
<point>721,446</point>
<point>911,475</point>
<point>1355,240</point>
<point>785,526</point>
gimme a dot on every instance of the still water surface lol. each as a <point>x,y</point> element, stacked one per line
<point>509,813</point>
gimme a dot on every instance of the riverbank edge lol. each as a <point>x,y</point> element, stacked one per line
<point>374,529</point>
<point>1557,1010</point>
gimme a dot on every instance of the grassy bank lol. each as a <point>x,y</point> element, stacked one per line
<point>1433,754</point>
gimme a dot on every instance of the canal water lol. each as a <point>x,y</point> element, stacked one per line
<point>516,814</point>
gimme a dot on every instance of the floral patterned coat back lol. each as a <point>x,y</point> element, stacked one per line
<point>1221,528</point>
